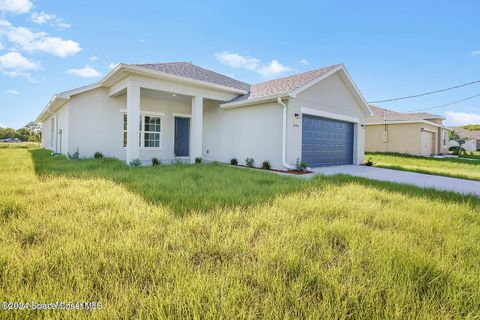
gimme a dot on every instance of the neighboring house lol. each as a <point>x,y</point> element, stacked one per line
<point>421,134</point>
<point>472,139</point>
<point>185,112</point>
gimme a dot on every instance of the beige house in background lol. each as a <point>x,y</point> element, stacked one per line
<point>421,134</point>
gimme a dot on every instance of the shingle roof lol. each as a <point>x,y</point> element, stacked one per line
<point>189,70</point>
<point>426,115</point>
<point>390,115</point>
<point>466,134</point>
<point>259,90</point>
<point>283,85</point>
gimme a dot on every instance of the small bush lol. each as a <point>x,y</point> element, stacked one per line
<point>266,165</point>
<point>75,155</point>
<point>369,162</point>
<point>234,162</point>
<point>301,165</point>
<point>135,163</point>
<point>156,161</point>
<point>456,150</point>
<point>249,162</point>
<point>198,160</point>
<point>98,155</point>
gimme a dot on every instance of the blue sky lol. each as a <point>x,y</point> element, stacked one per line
<point>390,48</point>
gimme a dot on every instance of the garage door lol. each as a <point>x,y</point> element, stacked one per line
<point>326,142</point>
<point>427,143</point>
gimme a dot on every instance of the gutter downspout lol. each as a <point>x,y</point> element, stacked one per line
<point>284,135</point>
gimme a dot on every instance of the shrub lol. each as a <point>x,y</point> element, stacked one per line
<point>156,161</point>
<point>198,160</point>
<point>301,165</point>
<point>249,162</point>
<point>234,162</point>
<point>266,165</point>
<point>75,155</point>
<point>369,162</point>
<point>98,155</point>
<point>457,150</point>
<point>135,163</point>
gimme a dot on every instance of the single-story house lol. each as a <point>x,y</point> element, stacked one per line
<point>471,137</point>
<point>421,134</point>
<point>183,111</point>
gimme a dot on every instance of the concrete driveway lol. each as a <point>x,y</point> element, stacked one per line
<point>418,179</point>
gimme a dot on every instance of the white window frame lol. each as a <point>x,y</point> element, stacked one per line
<point>142,128</point>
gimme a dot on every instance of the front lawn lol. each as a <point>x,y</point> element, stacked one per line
<point>212,241</point>
<point>471,155</point>
<point>451,167</point>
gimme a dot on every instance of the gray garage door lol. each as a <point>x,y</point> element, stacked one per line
<point>326,142</point>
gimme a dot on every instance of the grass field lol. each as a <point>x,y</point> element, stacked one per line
<point>451,167</point>
<point>475,155</point>
<point>211,241</point>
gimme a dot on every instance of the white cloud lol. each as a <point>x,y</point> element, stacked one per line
<point>237,61</point>
<point>85,72</point>
<point>42,18</point>
<point>2,46</point>
<point>12,91</point>
<point>475,53</point>
<point>304,62</point>
<point>112,65</point>
<point>14,60</point>
<point>274,68</point>
<point>93,58</point>
<point>41,41</point>
<point>16,6</point>
<point>462,118</point>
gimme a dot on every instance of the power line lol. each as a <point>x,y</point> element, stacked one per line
<point>447,104</point>
<point>426,93</point>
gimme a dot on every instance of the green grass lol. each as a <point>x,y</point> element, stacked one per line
<point>451,167</point>
<point>330,247</point>
<point>475,155</point>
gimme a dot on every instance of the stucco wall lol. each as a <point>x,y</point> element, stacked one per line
<point>254,131</point>
<point>96,123</point>
<point>329,95</point>
<point>57,139</point>
<point>401,138</point>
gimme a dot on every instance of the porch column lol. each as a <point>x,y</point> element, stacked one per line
<point>133,115</point>
<point>196,137</point>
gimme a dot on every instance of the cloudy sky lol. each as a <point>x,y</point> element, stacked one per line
<point>391,49</point>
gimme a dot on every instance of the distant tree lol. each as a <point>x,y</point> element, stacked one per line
<point>31,132</point>
<point>471,127</point>
<point>453,135</point>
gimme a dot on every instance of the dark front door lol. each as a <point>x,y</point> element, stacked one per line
<point>182,137</point>
<point>326,142</point>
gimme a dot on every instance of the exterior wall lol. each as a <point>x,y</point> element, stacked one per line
<point>332,96</point>
<point>56,138</point>
<point>96,123</point>
<point>253,131</point>
<point>401,138</point>
<point>443,143</point>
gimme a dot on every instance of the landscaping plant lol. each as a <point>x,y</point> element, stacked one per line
<point>249,162</point>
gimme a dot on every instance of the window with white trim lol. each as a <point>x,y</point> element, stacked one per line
<point>149,131</point>
<point>444,138</point>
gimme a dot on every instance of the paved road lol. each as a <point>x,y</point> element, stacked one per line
<point>418,179</point>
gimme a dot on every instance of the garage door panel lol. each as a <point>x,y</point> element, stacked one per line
<point>326,142</point>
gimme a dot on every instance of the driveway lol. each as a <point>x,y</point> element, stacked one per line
<point>418,179</point>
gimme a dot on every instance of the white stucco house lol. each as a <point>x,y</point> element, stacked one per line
<point>185,111</point>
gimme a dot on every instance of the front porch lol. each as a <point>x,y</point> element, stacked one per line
<point>170,117</point>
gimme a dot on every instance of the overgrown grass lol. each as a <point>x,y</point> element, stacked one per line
<point>451,167</point>
<point>331,247</point>
<point>19,145</point>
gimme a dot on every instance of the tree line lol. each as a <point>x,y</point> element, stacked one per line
<point>30,132</point>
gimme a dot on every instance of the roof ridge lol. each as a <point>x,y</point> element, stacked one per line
<point>298,74</point>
